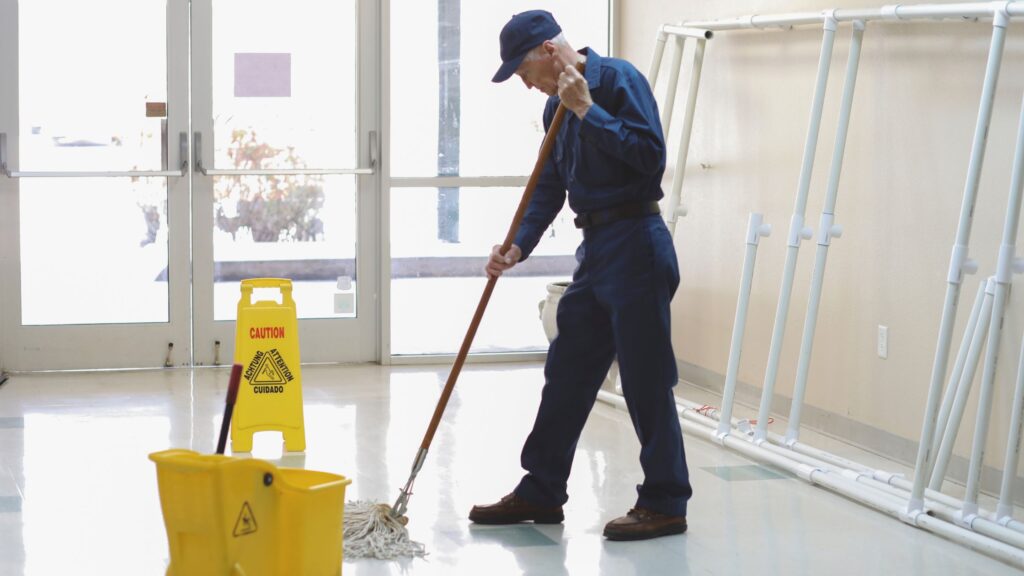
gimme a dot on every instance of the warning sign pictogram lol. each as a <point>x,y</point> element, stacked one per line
<point>267,371</point>
<point>246,523</point>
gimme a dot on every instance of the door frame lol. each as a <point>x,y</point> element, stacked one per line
<point>326,340</point>
<point>188,336</point>
<point>92,346</point>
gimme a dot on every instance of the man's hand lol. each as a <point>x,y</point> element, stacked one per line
<point>497,263</point>
<point>574,91</point>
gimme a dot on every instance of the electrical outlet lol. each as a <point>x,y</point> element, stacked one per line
<point>344,302</point>
<point>883,341</point>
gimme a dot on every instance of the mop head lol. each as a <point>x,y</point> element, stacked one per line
<point>371,532</point>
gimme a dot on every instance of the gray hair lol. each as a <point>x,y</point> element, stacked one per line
<point>538,52</point>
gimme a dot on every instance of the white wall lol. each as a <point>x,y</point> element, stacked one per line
<point>899,199</point>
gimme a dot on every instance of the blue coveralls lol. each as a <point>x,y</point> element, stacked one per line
<point>618,302</point>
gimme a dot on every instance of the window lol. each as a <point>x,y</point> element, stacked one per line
<point>449,120</point>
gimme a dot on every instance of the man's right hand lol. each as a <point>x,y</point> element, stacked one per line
<point>497,263</point>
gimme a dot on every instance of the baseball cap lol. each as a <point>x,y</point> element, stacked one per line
<point>524,32</point>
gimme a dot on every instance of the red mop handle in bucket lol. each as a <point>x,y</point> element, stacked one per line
<point>229,406</point>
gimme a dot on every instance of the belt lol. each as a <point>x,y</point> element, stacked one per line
<point>621,212</point>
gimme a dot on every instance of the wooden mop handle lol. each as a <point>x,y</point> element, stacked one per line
<point>531,185</point>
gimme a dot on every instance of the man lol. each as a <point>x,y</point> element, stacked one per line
<point>609,156</point>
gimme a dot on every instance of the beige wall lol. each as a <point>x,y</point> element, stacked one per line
<point>899,199</point>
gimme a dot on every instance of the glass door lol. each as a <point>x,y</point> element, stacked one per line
<point>152,161</point>
<point>284,175</point>
<point>93,192</point>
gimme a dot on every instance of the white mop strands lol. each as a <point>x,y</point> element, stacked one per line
<point>370,531</point>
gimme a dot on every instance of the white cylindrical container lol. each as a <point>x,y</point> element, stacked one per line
<point>549,305</point>
<point>549,311</point>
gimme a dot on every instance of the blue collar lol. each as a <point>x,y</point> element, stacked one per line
<point>593,71</point>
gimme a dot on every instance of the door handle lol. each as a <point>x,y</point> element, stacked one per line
<point>374,149</point>
<point>183,154</point>
<point>197,151</point>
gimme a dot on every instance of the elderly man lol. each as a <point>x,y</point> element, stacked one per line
<point>608,158</point>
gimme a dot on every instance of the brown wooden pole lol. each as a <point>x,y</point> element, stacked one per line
<point>531,185</point>
<point>545,151</point>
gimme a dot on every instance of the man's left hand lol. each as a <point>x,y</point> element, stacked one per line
<point>574,91</point>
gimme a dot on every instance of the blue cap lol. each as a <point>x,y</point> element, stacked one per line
<point>524,32</point>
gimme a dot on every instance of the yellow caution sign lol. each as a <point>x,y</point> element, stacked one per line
<point>267,348</point>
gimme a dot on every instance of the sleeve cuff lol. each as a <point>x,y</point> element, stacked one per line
<point>526,242</point>
<point>595,121</point>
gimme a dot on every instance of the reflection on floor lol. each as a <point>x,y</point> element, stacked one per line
<point>78,494</point>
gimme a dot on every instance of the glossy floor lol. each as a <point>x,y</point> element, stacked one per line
<point>78,494</point>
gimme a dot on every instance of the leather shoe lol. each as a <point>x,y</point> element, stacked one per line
<point>641,524</point>
<point>512,509</point>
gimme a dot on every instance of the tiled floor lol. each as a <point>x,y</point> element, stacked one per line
<point>78,494</point>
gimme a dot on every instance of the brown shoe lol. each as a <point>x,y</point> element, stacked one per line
<point>512,509</point>
<point>641,524</point>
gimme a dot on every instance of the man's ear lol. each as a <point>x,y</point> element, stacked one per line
<point>549,47</point>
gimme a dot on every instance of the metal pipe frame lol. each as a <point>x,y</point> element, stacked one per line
<point>962,389</point>
<point>675,209</point>
<point>673,84</point>
<point>904,500</point>
<point>914,512</point>
<point>827,229</point>
<point>756,228</point>
<point>689,32</point>
<point>888,482</point>
<point>1007,264</point>
<point>797,230</point>
<point>890,13</point>
<point>659,53</point>
<point>959,262</point>
<point>953,384</point>
<point>1004,511</point>
<point>845,484</point>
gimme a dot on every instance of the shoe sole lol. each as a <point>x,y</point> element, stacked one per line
<point>499,521</point>
<point>631,536</point>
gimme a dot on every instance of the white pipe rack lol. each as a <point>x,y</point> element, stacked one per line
<point>959,262</point>
<point>1007,264</point>
<point>680,34</point>
<point>948,424</point>
<point>996,534</point>
<point>756,228</point>
<point>1004,511</point>
<point>955,378</point>
<point>797,230</point>
<point>890,13</point>
<point>673,83</point>
<point>844,484</point>
<point>941,504</point>
<point>827,229</point>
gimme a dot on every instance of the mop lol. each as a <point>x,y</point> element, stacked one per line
<point>371,531</point>
<point>378,530</point>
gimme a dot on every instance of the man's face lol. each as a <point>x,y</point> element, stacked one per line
<point>541,73</point>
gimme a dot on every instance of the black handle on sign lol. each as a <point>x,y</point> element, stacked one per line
<point>229,406</point>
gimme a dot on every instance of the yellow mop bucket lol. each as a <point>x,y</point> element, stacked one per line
<point>246,517</point>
